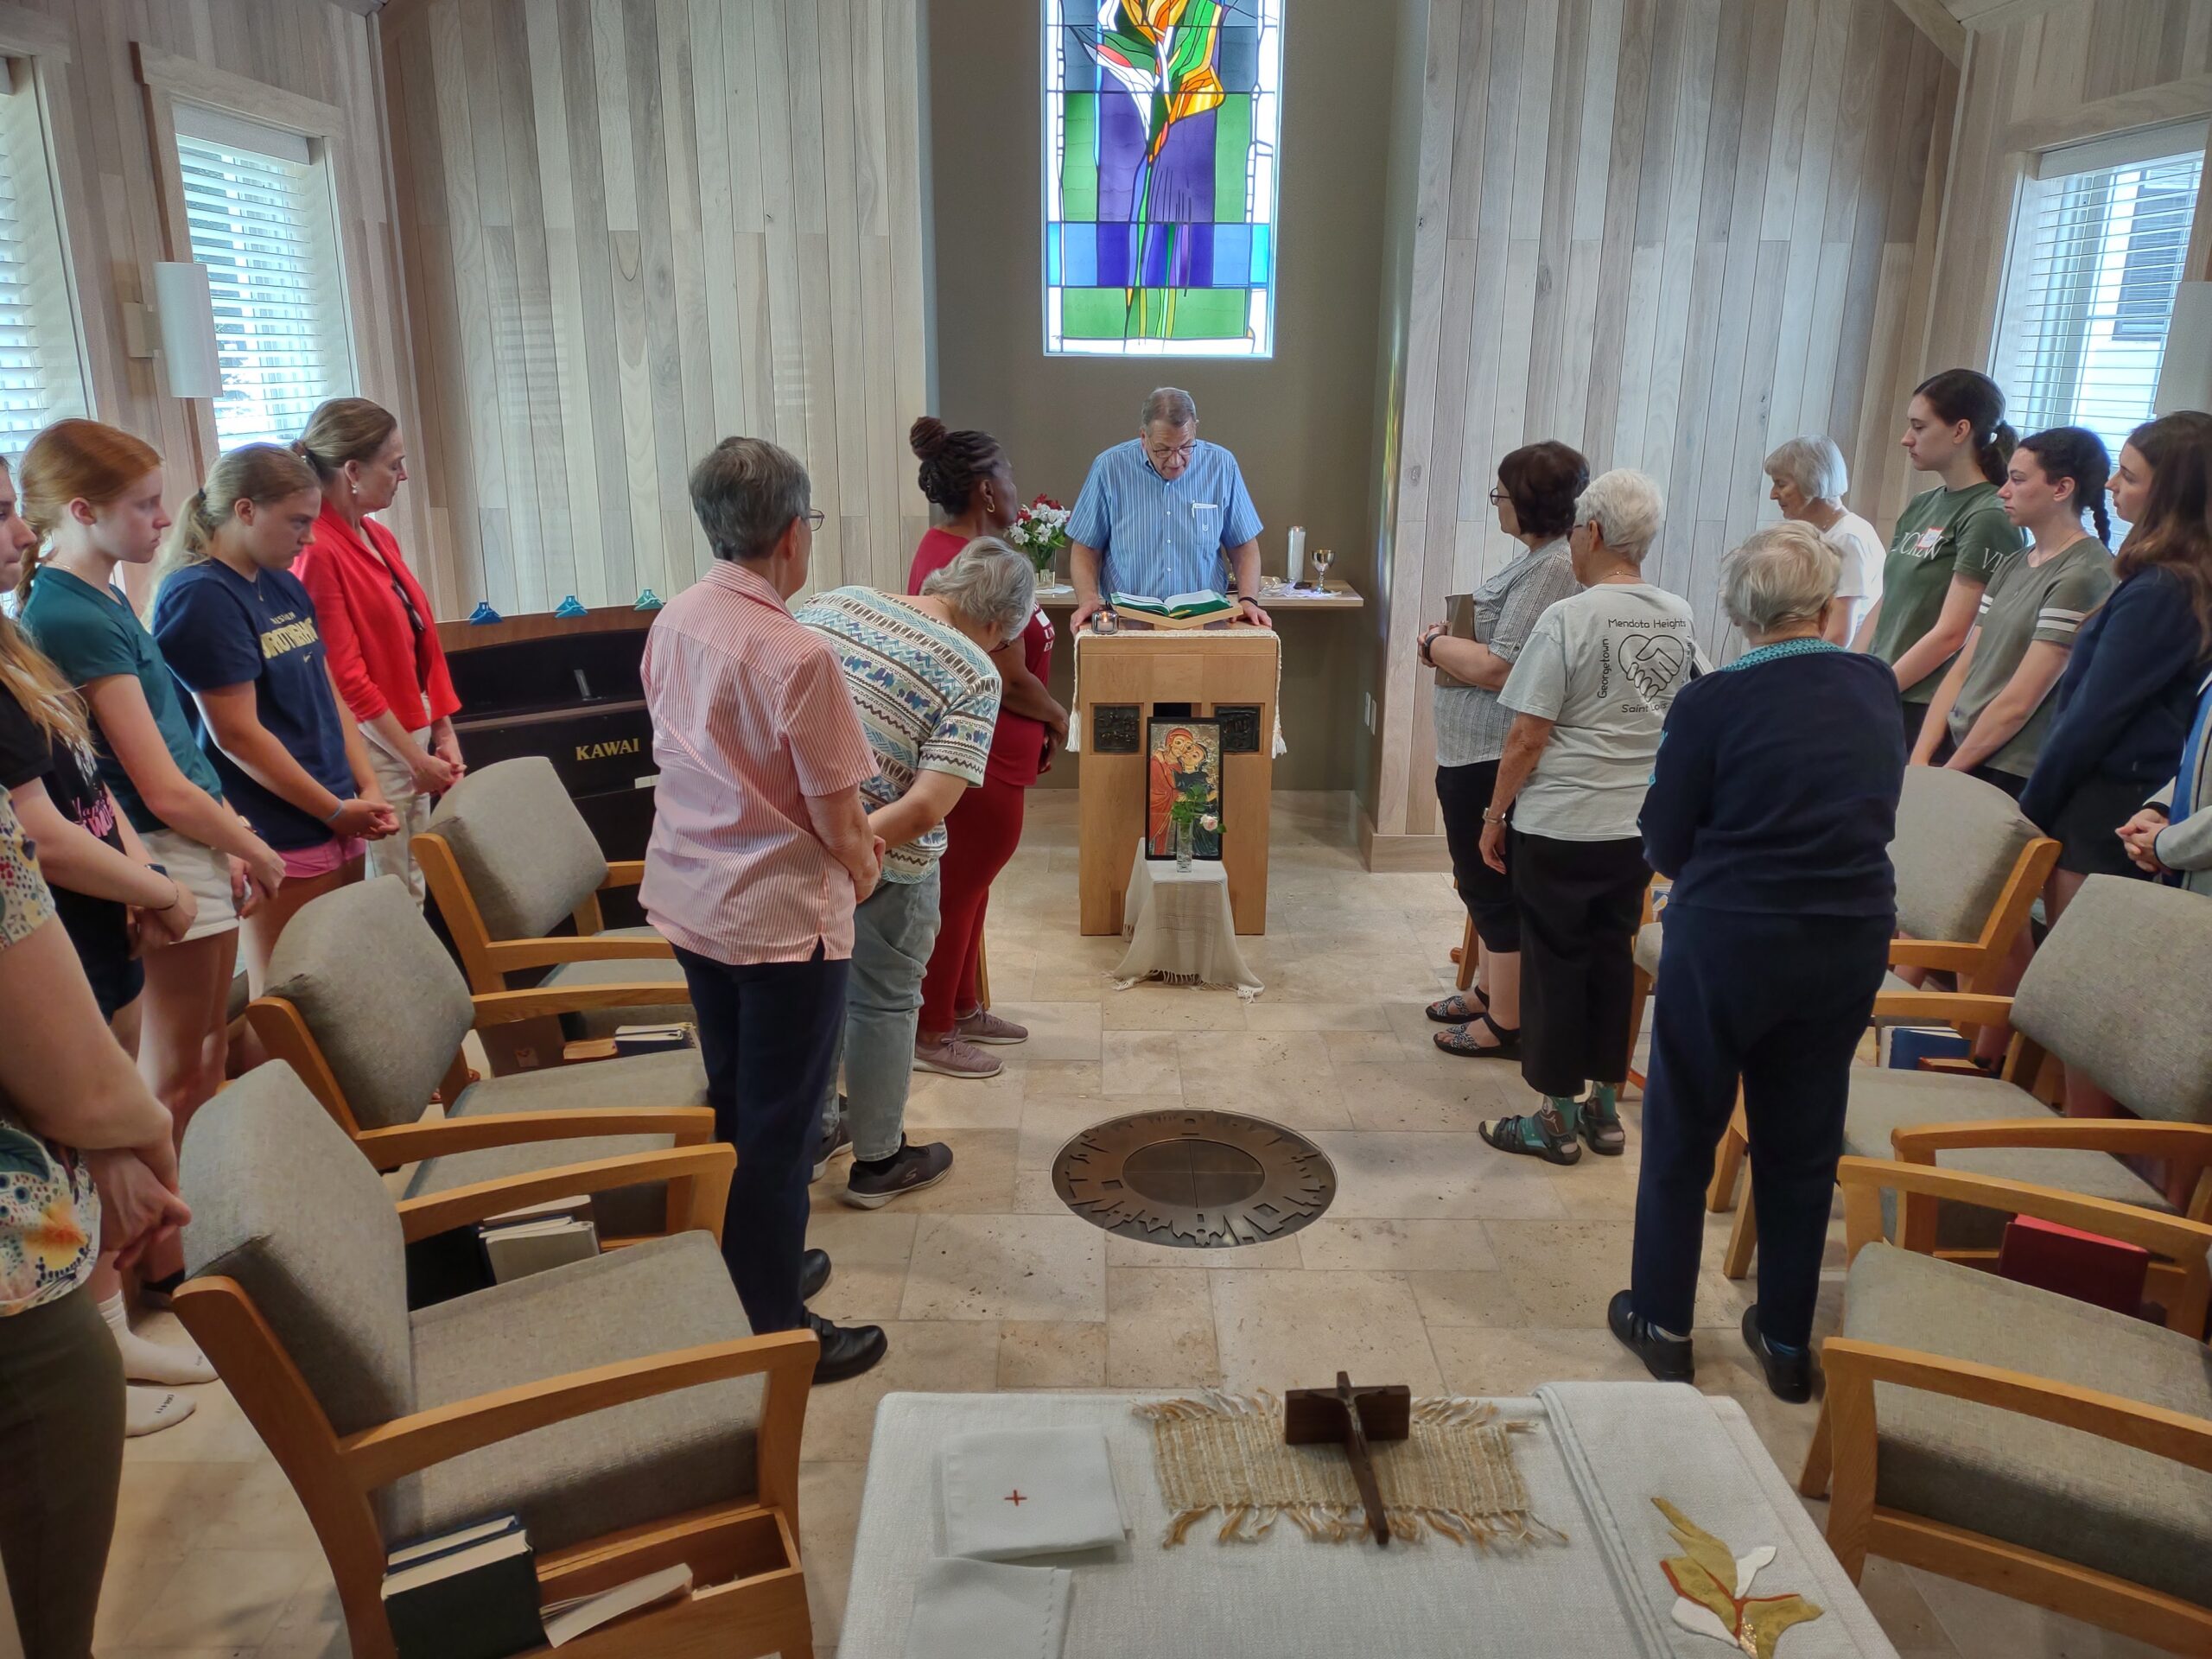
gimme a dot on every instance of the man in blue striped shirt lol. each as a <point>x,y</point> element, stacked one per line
<point>1162,514</point>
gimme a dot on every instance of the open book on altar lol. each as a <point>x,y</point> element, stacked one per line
<point>1203,605</point>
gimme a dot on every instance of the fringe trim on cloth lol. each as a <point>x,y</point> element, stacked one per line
<point>1453,1476</point>
<point>1160,977</point>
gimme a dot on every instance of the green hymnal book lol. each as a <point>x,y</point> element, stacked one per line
<point>470,1594</point>
<point>1176,607</point>
<point>1458,624</point>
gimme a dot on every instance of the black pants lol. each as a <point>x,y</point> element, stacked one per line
<point>1780,1001</point>
<point>1916,716</point>
<point>768,1034</point>
<point>1580,902</point>
<point>1463,796</point>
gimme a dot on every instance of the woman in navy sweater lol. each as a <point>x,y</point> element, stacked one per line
<point>1772,804</point>
<point>2123,705</point>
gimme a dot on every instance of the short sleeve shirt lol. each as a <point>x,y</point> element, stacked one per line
<point>218,628</point>
<point>49,1211</point>
<point>1603,665</point>
<point>2026,604</point>
<point>97,927</point>
<point>1018,745</point>
<point>927,696</point>
<point>1471,723</point>
<point>1162,536</point>
<point>1941,534</point>
<point>90,635</point>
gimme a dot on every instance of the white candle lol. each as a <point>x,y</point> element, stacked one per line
<point>1297,571</point>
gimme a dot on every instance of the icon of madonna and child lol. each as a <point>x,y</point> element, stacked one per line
<point>1185,785</point>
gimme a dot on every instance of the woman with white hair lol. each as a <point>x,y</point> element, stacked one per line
<point>1807,478</point>
<point>1588,693</point>
<point>1772,805</point>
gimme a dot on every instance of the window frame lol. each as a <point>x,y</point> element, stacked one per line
<point>169,81</point>
<point>34,56</point>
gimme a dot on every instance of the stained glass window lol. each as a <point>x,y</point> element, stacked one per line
<point>1160,124</point>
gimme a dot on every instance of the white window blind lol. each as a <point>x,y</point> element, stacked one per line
<point>42,374</point>
<point>2097,252</point>
<point>258,202</point>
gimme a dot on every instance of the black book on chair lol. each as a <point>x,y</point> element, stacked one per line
<point>470,1594</point>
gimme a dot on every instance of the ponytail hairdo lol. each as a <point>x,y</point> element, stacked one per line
<point>953,463</point>
<point>343,429</point>
<point>1958,395</point>
<point>259,472</point>
<point>74,460</point>
<point>2075,452</point>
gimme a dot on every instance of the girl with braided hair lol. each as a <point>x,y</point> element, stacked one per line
<point>967,476</point>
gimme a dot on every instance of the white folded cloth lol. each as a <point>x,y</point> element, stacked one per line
<point>988,1610</point>
<point>1028,1491</point>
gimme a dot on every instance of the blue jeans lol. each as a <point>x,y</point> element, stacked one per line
<point>894,932</point>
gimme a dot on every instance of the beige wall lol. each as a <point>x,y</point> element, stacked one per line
<point>635,228</point>
<point>111,208</point>
<point>1300,423</point>
<point>1670,232</point>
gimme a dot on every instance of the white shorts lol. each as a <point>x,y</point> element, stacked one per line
<point>205,873</point>
<point>394,855</point>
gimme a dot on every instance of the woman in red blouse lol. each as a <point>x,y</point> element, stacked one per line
<point>376,622</point>
<point>966,473</point>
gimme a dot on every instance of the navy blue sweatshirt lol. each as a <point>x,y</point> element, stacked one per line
<point>2124,703</point>
<point>1776,788</point>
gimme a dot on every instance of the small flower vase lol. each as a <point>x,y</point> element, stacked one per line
<point>1184,834</point>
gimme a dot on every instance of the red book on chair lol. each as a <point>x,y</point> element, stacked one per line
<point>2105,1272</point>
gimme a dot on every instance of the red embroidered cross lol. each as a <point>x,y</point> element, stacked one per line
<point>1015,1498</point>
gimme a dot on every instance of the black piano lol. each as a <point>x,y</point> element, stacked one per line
<point>578,699</point>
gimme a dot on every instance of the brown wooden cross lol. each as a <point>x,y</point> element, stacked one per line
<point>1353,1417</point>
<point>1014,1497</point>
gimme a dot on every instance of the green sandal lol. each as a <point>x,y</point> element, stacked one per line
<point>1461,1041</point>
<point>1533,1134</point>
<point>1602,1132</point>
<point>1456,1010</point>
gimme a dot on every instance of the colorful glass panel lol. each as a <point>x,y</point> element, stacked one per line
<point>1161,119</point>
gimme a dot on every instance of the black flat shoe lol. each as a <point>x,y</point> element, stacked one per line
<point>1667,1359</point>
<point>847,1350</point>
<point>813,1274</point>
<point>1789,1375</point>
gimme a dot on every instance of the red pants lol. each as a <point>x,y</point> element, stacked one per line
<point>980,834</point>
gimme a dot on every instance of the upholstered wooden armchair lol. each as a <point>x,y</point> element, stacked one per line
<point>621,1406</point>
<point>2013,1438</point>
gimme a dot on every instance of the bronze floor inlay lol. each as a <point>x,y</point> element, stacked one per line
<point>1194,1180</point>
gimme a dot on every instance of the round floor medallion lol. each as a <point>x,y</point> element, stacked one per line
<point>1198,1180</point>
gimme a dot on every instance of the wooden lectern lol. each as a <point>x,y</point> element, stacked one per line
<point>1230,674</point>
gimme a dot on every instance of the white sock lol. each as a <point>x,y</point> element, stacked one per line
<point>150,1361</point>
<point>148,1411</point>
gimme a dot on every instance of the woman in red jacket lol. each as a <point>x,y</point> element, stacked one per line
<point>376,622</point>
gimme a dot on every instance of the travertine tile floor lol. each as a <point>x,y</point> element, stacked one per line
<point>1440,1264</point>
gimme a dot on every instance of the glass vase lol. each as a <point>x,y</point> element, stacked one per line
<point>1185,836</point>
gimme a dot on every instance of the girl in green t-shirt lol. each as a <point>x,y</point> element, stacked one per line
<point>1949,541</point>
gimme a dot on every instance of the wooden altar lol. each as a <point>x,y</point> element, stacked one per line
<point>1232,675</point>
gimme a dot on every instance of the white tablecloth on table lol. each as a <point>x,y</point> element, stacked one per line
<point>1598,1453</point>
<point>1075,700</point>
<point>1180,928</point>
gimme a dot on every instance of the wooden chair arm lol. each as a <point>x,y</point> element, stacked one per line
<point>410,1143</point>
<point>499,1007</point>
<point>1943,1008</point>
<point>702,1173</point>
<point>623,873</point>
<point>2164,1434</point>
<point>1933,953</point>
<point>508,955</point>
<point>1863,1178</point>
<point>2188,1143</point>
<point>376,1457</point>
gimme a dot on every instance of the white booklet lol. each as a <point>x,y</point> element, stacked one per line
<point>1028,1491</point>
<point>567,1620</point>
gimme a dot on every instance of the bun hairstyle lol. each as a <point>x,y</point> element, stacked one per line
<point>343,429</point>
<point>953,463</point>
<point>2176,528</point>
<point>1962,394</point>
<point>259,472</point>
<point>2075,452</point>
<point>74,460</point>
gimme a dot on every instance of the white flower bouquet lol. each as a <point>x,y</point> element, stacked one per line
<point>1040,530</point>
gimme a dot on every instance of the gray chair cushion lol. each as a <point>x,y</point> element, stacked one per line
<point>2067,1493</point>
<point>2119,990</point>
<point>678,1080</point>
<point>1884,1100</point>
<point>383,1000</point>
<point>282,1203</point>
<point>527,855</point>
<point>601,1022</point>
<point>1957,840</point>
<point>612,1469</point>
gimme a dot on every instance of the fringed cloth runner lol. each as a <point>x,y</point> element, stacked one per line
<point>1454,1475</point>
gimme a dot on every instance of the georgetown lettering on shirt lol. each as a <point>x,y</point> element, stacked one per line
<point>289,633</point>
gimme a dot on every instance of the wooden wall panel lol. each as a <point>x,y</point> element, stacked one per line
<point>110,212</point>
<point>634,227</point>
<point>1671,232</point>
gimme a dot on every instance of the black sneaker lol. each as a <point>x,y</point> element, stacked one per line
<point>847,1350</point>
<point>1667,1358</point>
<point>912,1169</point>
<point>829,1147</point>
<point>813,1274</point>
<point>1789,1375</point>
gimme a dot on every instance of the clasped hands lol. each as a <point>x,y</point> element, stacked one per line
<point>139,1205</point>
<point>2140,836</point>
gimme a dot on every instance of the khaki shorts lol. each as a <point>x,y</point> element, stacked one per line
<point>204,872</point>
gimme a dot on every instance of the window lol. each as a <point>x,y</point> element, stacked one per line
<point>2097,252</point>
<point>257,203</point>
<point>1160,177</point>
<point>41,372</point>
